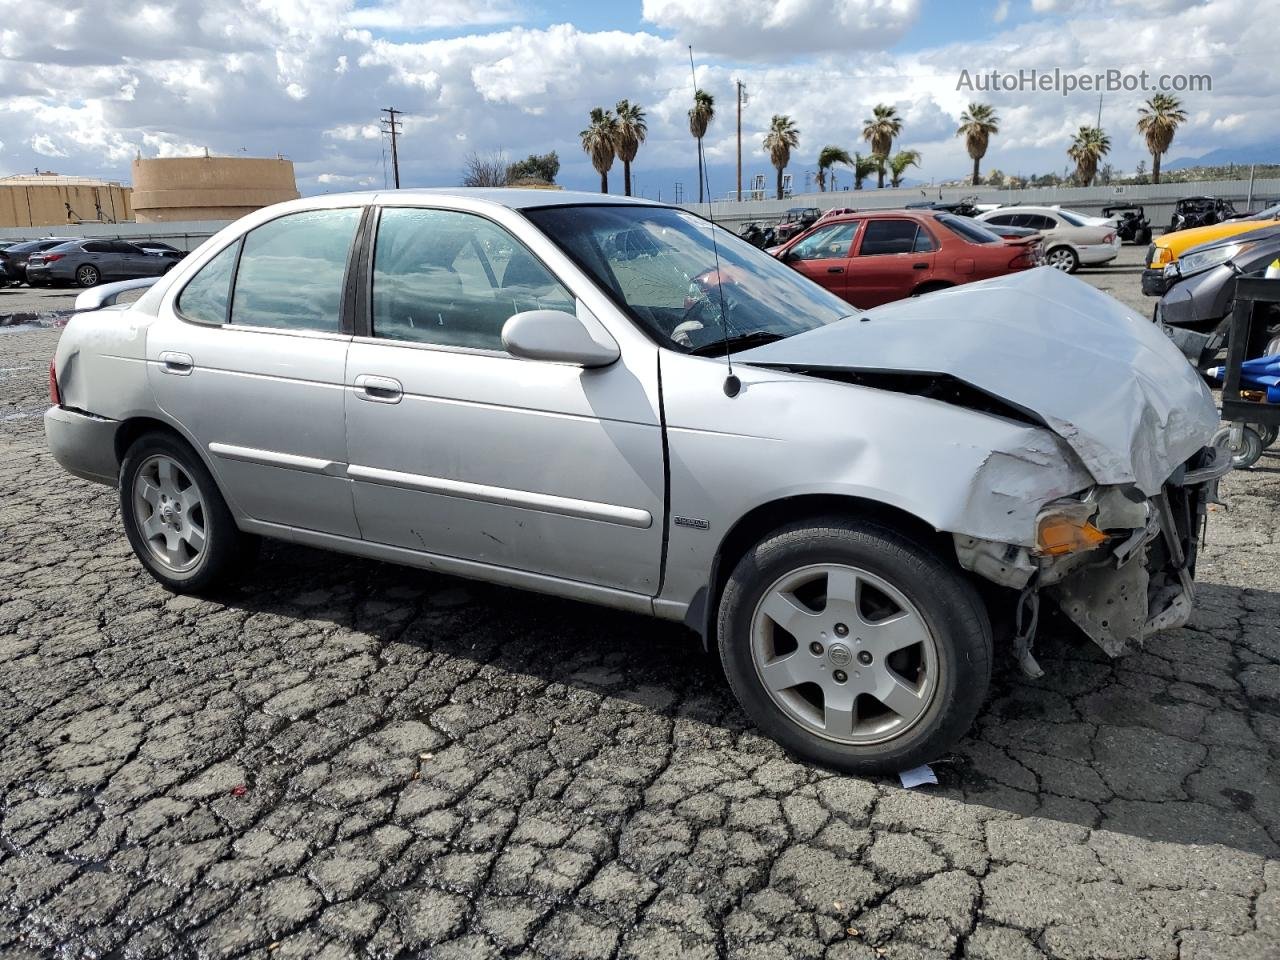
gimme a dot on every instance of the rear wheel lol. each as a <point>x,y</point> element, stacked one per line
<point>1063,258</point>
<point>176,520</point>
<point>88,275</point>
<point>853,646</point>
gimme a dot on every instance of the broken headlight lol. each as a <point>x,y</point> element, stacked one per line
<point>1066,526</point>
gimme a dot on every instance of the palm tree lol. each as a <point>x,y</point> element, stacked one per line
<point>632,130</point>
<point>899,163</point>
<point>700,117</point>
<point>977,124</point>
<point>879,131</point>
<point>863,167</point>
<point>828,157</point>
<point>1088,146</point>
<point>782,138</point>
<point>599,140</point>
<point>1158,120</point>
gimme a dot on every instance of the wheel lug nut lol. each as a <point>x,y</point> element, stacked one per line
<point>815,648</point>
<point>864,658</point>
<point>839,676</point>
<point>841,630</point>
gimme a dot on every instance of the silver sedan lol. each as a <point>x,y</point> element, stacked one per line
<point>615,401</point>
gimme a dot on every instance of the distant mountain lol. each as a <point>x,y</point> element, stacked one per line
<point>1254,153</point>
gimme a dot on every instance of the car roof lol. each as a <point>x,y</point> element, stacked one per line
<point>517,198</point>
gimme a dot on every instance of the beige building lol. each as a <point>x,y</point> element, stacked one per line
<point>208,188</point>
<point>48,200</point>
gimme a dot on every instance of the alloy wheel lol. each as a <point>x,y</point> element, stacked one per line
<point>87,276</point>
<point>169,511</point>
<point>1061,259</point>
<point>844,654</point>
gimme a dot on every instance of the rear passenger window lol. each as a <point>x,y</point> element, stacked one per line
<point>206,297</point>
<point>292,269</point>
<point>450,278</point>
<point>888,236</point>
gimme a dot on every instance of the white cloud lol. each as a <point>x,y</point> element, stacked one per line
<point>421,15</point>
<point>1001,12</point>
<point>778,29</point>
<point>298,77</point>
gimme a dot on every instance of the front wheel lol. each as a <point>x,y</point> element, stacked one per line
<point>1063,258</point>
<point>853,646</point>
<point>176,520</point>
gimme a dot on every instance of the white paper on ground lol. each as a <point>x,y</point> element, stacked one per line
<point>920,775</point>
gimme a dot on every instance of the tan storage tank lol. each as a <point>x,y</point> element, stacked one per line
<point>48,200</point>
<point>208,188</point>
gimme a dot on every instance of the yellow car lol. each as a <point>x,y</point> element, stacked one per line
<point>1166,249</point>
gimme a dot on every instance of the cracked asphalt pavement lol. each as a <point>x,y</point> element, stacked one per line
<point>342,757</point>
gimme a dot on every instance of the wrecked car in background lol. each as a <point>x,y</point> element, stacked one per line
<point>634,408</point>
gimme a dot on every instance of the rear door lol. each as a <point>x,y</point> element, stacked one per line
<point>251,363</point>
<point>823,256</point>
<point>891,259</point>
<point>98,253</point>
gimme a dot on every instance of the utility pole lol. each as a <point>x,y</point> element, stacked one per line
<point>742,92</point>
<point>394,126</point>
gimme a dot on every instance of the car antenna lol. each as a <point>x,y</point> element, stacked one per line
<point>732,385</point>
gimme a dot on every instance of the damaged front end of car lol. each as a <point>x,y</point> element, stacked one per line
<point>1119,564</point>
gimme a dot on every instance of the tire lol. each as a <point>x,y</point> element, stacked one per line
<point>946,673</point>
<point>1063,258</point>
<point>87,275</point>
<point>162,527</point>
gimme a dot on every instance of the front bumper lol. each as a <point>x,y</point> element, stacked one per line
<point>1137,583</point>
<point>84,444</point>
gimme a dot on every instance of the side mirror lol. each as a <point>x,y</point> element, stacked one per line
<point>557,337</point>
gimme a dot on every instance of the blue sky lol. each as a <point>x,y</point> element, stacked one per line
<point>90,85</point>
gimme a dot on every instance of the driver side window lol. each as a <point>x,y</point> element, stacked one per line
<point>454,279</point>
<point>829,243</point>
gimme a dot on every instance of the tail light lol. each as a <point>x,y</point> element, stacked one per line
<point>1109,238</point>
<point>49,257</point>
<point>54,397</point>
<point>1023,260</point>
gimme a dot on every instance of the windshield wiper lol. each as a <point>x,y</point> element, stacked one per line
<point>743,341</point>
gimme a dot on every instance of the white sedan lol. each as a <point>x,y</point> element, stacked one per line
<point>1070,240</point>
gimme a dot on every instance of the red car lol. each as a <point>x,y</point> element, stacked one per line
<point>873,257</point>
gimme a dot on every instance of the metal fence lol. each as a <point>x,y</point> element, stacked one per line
<point>185,236</point>
<point>1157,199</point>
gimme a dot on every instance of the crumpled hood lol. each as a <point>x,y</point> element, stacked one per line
<point>1110,383</point>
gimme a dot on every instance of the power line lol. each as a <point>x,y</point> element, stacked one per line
<point>393,125</point>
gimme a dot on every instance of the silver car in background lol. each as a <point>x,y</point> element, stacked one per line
<point>614,401</point>
<point>1071,240</point>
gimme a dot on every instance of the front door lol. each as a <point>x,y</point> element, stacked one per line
<point>894,256</point>
<point>823,255</point>
<point>459,449</point>
<point>251,365</point>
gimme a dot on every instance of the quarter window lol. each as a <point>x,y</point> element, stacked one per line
<point>454,279</point>
<point>292,269</point>
<point>205,298</point>
<point>827,243</point>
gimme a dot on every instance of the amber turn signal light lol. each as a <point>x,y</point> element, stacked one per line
<point>1058,535</point>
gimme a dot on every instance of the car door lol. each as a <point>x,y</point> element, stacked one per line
<point>823,255</point>
<point>461,450</point>
<point>98,253</point>
<point>886,264</point>
<point>136,262</point>
<point>249,359</point>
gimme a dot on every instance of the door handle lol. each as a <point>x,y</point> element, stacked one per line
<point>919,266</point>
<point>835,269</point>
<point>378,389</point>
<point>180,364</point>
